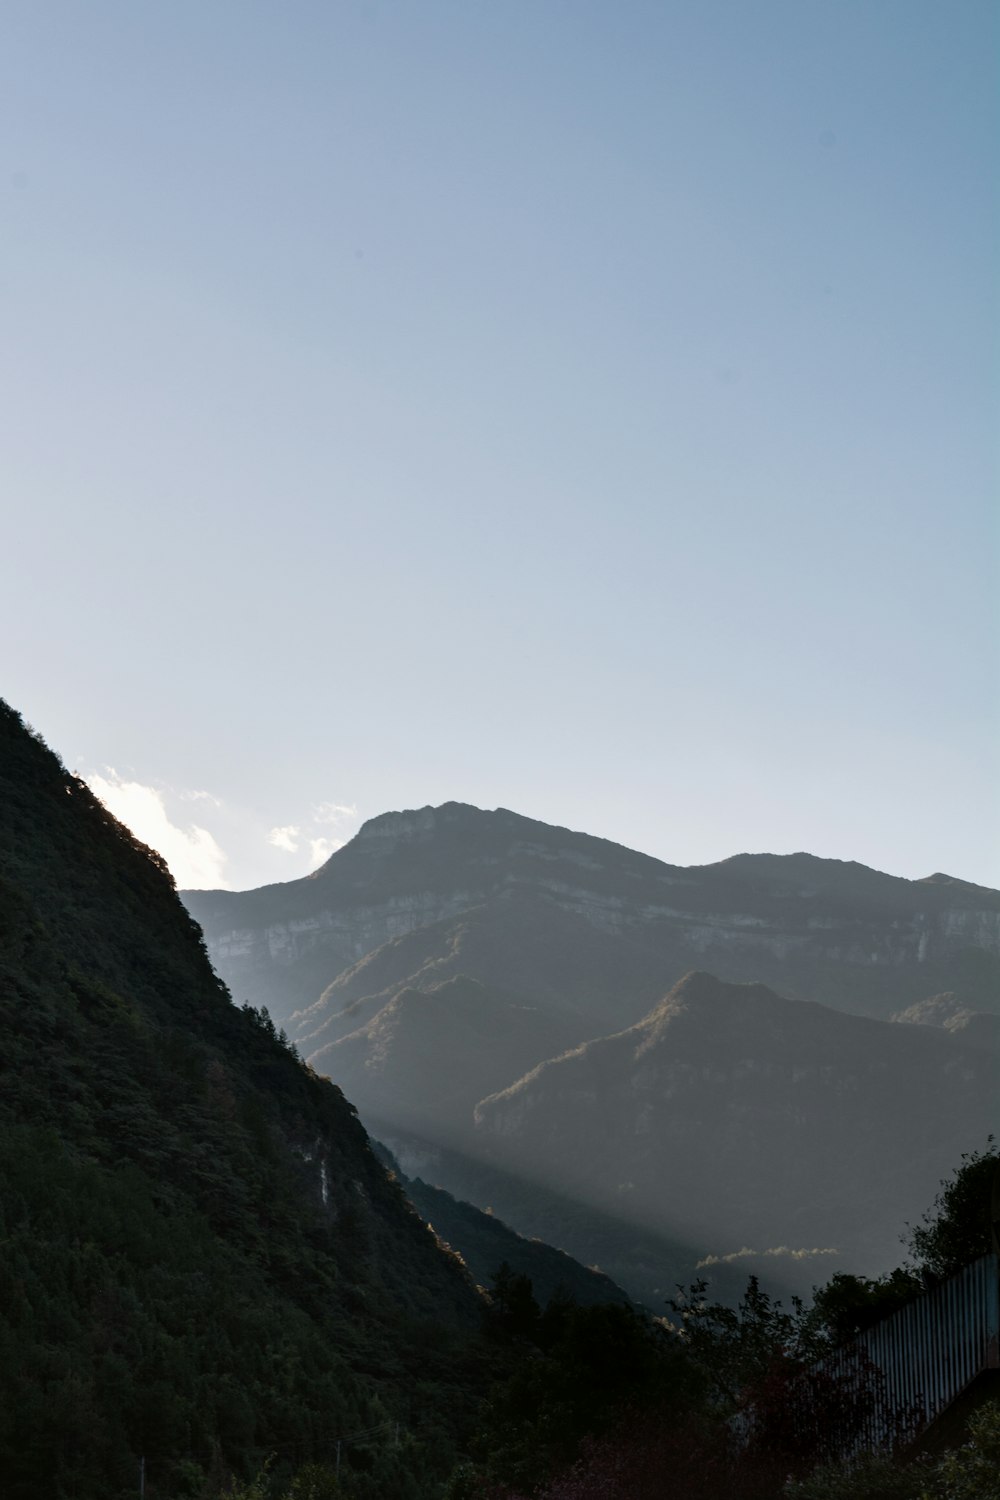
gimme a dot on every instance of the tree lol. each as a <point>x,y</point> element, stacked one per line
<point>848,1304</point>
<point>958,1228</point>
<point>971,1472</point>
<point>513,1311</point>
<point>736,1348</point>
<point>786,1407</point>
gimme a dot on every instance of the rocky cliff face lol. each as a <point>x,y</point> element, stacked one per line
<point>820,929</point>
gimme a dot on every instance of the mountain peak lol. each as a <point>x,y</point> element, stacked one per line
<point>698,987</point>
<point>939,878</point>
<point>703,1000</point>
<point>455,825</point>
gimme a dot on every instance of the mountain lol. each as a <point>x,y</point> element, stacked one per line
<point>442,956</point>
<point>602,927</point>
<point>750,1120</point>
<point>202,1260</point>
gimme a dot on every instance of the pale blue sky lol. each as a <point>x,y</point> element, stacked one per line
<point>584,408</point>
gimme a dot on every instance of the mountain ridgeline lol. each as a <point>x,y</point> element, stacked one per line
<point>525,1014</point>
<point>602,925</point>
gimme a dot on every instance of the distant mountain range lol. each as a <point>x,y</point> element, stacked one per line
<point>604,928</point>
<point>507,1003</point>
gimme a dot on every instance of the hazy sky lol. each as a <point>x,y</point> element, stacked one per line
<point>585,408</point>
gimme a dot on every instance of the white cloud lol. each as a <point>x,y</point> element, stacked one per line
<point>195,859</point>
<point>321,849</point>
<point>286,838</point>
<point>746,1253</point>
<point>333,813</point>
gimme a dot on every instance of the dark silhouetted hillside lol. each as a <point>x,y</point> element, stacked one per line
<point>485,1242</point>
<point>202,1261</point>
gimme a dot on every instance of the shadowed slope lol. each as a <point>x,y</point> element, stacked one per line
<point>751,1120</point>
<point>523,942</point>
<point>202,1259</point>
<point>484,1241</point>
<point>429,1056</point>
<point>975,1028</point>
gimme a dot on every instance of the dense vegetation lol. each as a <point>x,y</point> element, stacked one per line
<point>750,1413</point>
<point>201,1260</point>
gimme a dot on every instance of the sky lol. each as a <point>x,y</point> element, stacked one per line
<point>588,409</point>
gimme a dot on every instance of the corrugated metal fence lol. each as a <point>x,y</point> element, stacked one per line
<point>920,1358</point>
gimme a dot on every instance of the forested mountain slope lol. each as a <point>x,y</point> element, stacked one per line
<point>485,1243</point>
<point>202,1261</point>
